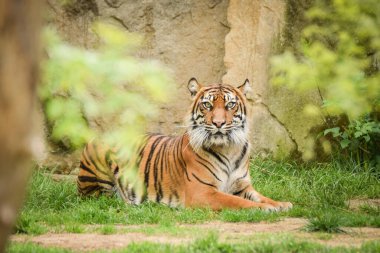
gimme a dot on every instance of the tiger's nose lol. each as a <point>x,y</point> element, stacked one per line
<point>218,123</point>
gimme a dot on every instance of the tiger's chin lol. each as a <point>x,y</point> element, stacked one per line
<point>218,140</point>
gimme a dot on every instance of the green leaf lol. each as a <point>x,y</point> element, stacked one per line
<point>344,143</point>
<point>335,131</point>
<point>107,87</point>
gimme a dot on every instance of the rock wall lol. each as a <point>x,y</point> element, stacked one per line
<point>187,36</point>
<point>214,41</point>
<point>254,26</point>
<point>278,125</point>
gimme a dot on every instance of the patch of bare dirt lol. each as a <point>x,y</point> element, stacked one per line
<point>355,204</point>
<point>62,177</point>
<point>286,225</point>
<point>88,242</point>
<point>352,237</point>
<point>232,232</point>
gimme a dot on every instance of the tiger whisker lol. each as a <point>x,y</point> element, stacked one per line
<point>185,126</point>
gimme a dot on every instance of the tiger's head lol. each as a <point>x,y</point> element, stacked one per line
<point>218,115</point>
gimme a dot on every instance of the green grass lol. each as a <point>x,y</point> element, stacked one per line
<point>211,244</point>
<point>74,228</point>
<point>32,248</point>
<point>108,230</point>
<point>316,190</point>
<point>329,223</point>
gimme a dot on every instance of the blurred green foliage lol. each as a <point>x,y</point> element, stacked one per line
<point>106,86</point>
<point>339,54</point>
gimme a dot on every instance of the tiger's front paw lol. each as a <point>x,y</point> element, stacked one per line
<point>284,206</point>
<point>269,208</point>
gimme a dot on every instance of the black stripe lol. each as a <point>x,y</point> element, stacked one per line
<point>199,116</point>
<point>159,170</point>
<point>94,179</point>
<point>162,157</point>
<point>94,163</point>
<point>155,165</point>
<point>242,126</point>
<point>239,192</point>
<point>238,116</point>
<point>168,167</point>
<point>159,193</point>
<point>245,174</point>
<point>223,156</point>
<point>141,152</point>
<point>193,107</point>
<point>84,167</point>
<point>197,178</point>
<point>90,189</point>
<point>131,195</point>
<point>175,166</point>
<point>116,170</point>
<point>206,161</point>
<point>147,166</point>
<point>180,157</point>
<point>79,186</point>
<point>210,151</point>
<point>242,155</point>
<point>204,165</point>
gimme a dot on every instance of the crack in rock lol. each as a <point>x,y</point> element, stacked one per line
<point>120,21</point>
<point>282,124</point>
<point>114,3</point>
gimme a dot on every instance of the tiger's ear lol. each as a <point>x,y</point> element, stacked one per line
<point>245,87</point>
<point>193,86</point>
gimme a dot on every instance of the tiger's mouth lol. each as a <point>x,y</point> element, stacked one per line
<point>203,135</point>
<point>217,139</point>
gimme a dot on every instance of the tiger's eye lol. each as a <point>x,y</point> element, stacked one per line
<point>207,105</point>
<point>230,105</point>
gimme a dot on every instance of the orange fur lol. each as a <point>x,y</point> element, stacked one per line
<point>208,166</point>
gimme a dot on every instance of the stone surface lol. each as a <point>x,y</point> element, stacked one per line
<point>269,136</point>
<point>187,36</point>
<point>214,41</point>
<point>279,127</point>
<point>288,108</point>
<point>254,26</point>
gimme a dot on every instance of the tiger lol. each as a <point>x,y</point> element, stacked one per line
<point>207,166</point>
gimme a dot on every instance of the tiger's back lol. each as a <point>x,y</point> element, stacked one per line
<point>160,166</point>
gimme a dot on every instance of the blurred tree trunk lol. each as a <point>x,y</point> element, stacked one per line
<point>19,55</point>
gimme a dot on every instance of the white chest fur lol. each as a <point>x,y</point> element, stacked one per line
<point>228,165</point>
